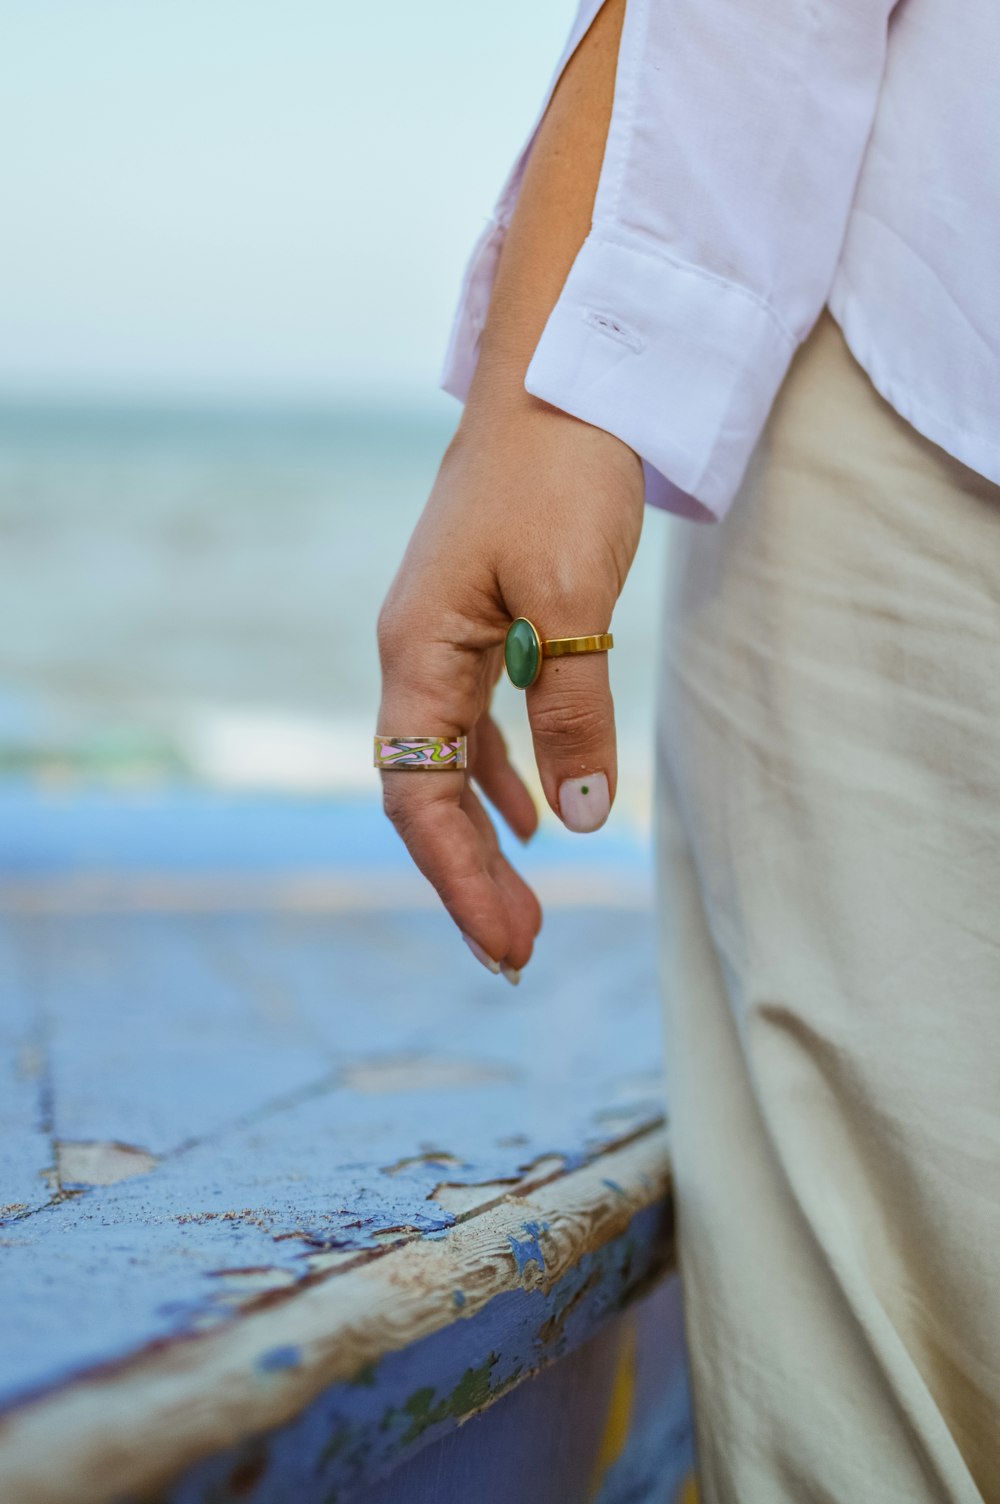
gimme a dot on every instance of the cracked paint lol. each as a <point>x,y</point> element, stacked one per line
<point>269,1129</point>
<point>431,1159</point>
<point>470,1393</point>
<point>312,1089</point>
<point>355,1432</point>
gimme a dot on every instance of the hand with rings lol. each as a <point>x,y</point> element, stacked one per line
<point>530,529</point>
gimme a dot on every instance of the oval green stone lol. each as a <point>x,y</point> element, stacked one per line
<point>522,653</point>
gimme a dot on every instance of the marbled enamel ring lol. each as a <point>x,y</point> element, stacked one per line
<point>524,649</point>
<point>439,753</point>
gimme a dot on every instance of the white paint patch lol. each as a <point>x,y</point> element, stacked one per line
<point>79,1163</point>
<point>422,1073</point>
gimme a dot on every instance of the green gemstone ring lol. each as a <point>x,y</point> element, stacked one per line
<point>524,649</point>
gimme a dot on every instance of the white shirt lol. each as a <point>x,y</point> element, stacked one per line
<point>764,158</point>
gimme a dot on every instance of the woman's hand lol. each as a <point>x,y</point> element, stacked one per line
<point>534,514</point>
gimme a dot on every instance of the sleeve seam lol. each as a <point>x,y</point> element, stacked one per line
<point>621,127</point>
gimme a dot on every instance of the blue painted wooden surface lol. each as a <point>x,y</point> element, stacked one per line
<point>193,829</point>
<point>538,1444</point>
<point>358,1434</point>
<point>301,1082</point>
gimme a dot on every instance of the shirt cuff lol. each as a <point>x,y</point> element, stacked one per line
<point>462,354</point>
<point>676,362</point>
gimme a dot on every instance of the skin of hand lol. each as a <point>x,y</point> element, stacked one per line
<point>533,513</point>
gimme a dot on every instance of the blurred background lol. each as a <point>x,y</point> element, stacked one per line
<point>233,241</point>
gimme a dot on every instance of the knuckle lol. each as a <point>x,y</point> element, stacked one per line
<point>410,807</point>
<point>452,889</point>
<point>398,807</point>
<point>393,630</point>
<point>578,590</point>
<point>392,805</point>
<point>569,721</point>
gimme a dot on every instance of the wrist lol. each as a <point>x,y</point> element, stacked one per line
<point>502,417</point>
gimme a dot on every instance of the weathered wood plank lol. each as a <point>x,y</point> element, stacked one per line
<point>464,1316</point>
<point>253,1095</point>
<point>609,1423</point>
<point>324,1126</point>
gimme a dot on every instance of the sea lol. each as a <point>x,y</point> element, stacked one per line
<point>189,595</point>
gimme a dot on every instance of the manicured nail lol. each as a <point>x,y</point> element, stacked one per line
<point>510,974</point>
<point>584,803</point>
<point>480,955</point>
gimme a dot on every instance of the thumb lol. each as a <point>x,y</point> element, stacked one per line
<point>573,728</point>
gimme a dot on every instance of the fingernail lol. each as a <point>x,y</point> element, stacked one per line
<point>510,974</point>
<point>480,955</point>
<point>584,803</point>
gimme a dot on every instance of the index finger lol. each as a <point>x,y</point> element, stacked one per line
<point>429,689</point>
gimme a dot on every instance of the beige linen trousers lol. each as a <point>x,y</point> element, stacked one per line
<point>829,825</point>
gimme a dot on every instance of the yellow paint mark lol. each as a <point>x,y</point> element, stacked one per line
<point>619,1418</point>
<point>688,1491</point>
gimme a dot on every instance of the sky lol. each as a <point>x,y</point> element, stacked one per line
<point>236,199</point>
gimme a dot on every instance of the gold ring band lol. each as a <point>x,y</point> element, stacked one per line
<point>557,647</point>
<point>524,648</point>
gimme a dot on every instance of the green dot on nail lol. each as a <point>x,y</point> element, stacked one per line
<point>584,789</point>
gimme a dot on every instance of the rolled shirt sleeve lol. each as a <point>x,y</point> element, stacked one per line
<point>736,138</point>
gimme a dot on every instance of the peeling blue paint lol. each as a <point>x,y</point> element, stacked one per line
<point>529,1250</point>
<point>224,1043</point>
<point>279,1358</point>
<point>256,1134</point>
<point>351,1436</point>
<point>522,1448</point>
<point>458,1298</point>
